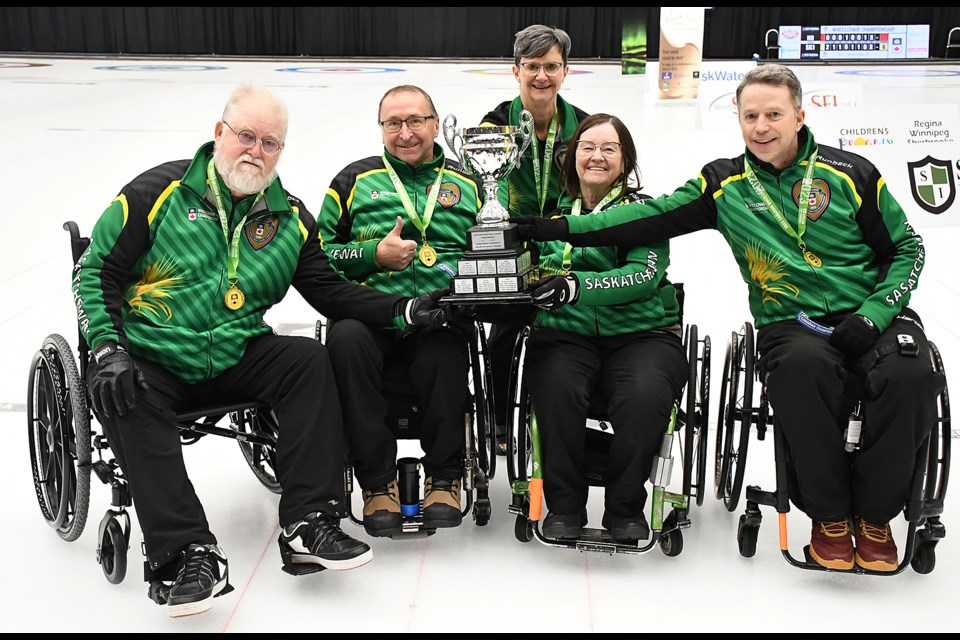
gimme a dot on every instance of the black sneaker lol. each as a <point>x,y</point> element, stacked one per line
<point>201,576</point>
<point>626,530</point>
<point>564,527</point>
<point>318,539</point>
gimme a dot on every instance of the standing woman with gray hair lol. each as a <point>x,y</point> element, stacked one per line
<point>540,55</point>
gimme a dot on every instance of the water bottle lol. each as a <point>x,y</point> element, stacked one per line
<point>408,471</point>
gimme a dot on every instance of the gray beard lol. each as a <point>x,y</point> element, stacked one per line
<point>239,179</point>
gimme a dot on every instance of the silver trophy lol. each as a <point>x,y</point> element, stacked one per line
<point>489,153</point>
<point>496,267</point>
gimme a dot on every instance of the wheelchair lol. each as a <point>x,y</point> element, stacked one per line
<point>744,406</point>
<point>689,416</point>
<point>403,419</point>
<point>63,440</point>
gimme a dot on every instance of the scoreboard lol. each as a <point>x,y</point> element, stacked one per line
<point>855,42</point>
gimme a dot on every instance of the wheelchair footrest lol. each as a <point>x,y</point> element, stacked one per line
<point>292,566</point>
<point>159,591</point>
<point>302,569</point>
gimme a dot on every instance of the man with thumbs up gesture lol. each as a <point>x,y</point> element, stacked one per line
<point>393,252</point>
<point>398,222</point>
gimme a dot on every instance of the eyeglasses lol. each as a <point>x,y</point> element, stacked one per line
<point>414,123</point>
<point>533,68</point>
<point>248,138</point>
<point>608,149</point>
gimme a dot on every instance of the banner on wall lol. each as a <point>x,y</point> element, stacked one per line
<point>681,52</point>
<point>633,43</point>
<point>916,147</point>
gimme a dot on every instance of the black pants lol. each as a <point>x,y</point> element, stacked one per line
<point>812,390</point>
<point>639,374</point>
<point>437,361</point>
<point>294,376</point>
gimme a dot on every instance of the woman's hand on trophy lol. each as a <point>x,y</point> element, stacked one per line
<point>555,292</point>
<point>540,228</point>
<point>393,252</point>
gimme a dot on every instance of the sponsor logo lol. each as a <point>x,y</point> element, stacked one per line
<point>932,184</point>
<point>928,131</point>
<point>193,213</point>
<point>721,76</point>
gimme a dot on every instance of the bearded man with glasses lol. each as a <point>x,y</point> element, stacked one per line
<point>540,56</point>
<point>171,295</point>
<point>398,222</point>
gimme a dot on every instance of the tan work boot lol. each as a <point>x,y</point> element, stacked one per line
<point>441,503</point>
<point>381,510</point>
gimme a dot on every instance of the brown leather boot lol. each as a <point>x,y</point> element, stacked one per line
<point>381,510</point>
<point>441,503</point>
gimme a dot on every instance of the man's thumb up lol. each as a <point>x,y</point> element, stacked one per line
<point>397,228</point>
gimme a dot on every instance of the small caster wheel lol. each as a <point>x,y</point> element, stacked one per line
<point>747,538</point>
<point>112,554</point>
<point>523,529</point>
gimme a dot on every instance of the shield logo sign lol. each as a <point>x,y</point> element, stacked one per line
<point>932,184</point>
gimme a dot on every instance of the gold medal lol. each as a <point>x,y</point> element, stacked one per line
<point>234,298</point>
<point>812,258</point>
<point>428,256</point>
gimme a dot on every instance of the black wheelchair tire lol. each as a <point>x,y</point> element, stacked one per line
<point>261,460</point>
<point>58,421</point>
<point>924,557</point>
<point>113,552</point>
<point>523,529</point>
<point>671,541</point>
<point>747,535</point>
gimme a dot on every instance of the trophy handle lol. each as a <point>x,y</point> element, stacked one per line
<point>451,135</point>
<point>526,130</point>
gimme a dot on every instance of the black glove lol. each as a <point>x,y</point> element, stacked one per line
<point>855,335</point>
<point>425,311</point>
<point>556,291</point>
<point>113,386</point>
<point>540,228</point>
<point>460,316</point>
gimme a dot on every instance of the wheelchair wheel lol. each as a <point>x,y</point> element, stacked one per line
<point>735,416</point>
<point>519,412</point>
<point>747,535</point>
<point>262,460</point>
<point>938,460</point>
<point>695,418</point>
<point>671,542</point>
<point>481,382</point>
<point>112,553</point>
<point>924,557</point>
<point>482,509</point>
<point>523,529</point>
<point>59,432</point>
<point>703,422</point>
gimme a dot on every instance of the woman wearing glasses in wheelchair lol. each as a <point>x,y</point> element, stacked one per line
<point>609,324</point>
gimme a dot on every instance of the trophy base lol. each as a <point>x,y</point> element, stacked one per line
<point>517,297</point>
